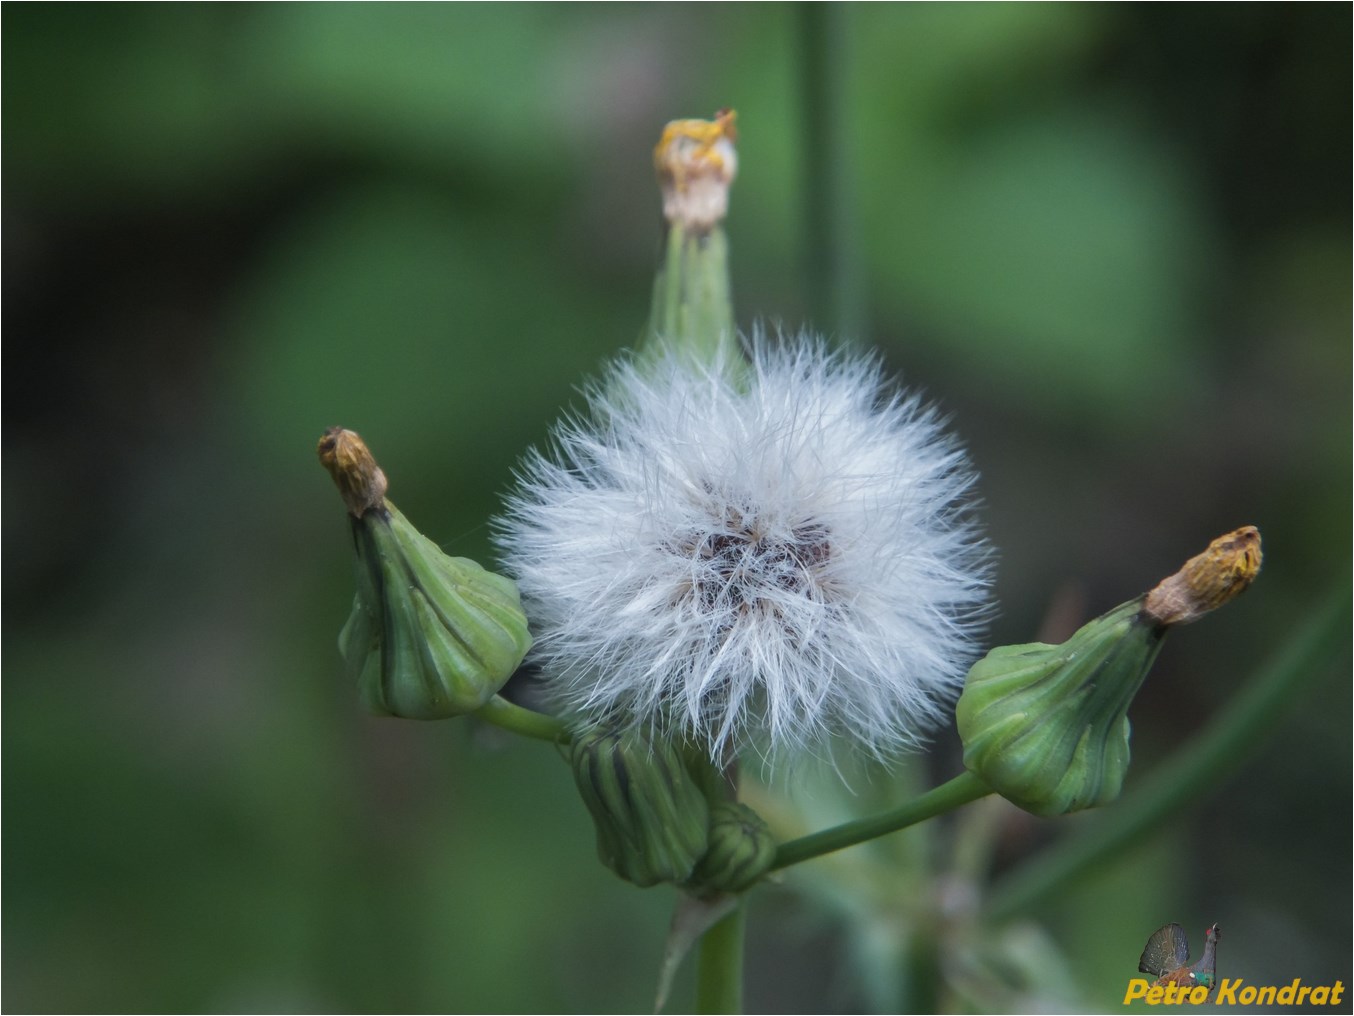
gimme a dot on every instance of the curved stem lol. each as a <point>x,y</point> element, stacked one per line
<point>502,713</point>
<point>1222,746</point>
<point>719,973</point>
<point>957,792</point>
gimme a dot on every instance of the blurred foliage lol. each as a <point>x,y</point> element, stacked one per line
<point>1113,240</point>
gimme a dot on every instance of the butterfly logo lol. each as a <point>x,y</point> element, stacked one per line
<point>1166,957</point>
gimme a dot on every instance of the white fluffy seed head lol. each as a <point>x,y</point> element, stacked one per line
<point>763,561</point>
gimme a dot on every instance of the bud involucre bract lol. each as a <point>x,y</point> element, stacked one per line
<point>430,636</point>
<point>1046,726</point>
<point>652,818</point>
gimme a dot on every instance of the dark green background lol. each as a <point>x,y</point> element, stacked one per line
<point>1113,242</point>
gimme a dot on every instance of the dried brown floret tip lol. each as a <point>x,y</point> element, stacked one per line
<point>359,479</point>
<point>1207,581</point>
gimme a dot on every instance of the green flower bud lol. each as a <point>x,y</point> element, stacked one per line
<point>1047,727</point>
<point>692,309</point>
<point>430,636</point>
<point>742,849</point>
<point>652,818</point>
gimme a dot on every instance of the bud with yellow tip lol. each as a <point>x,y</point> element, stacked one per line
<point>430,636</point>
<point>1207,581</point>
<point>1047,726</point>
<point>692,308</point>
<point>696,162</point>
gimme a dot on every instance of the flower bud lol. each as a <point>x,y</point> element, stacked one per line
<point>742,849</point>
<point>696,162</point>
<point>1208,580</point>
<point>430,636</point>
<point>692,309</point>
<point>1047,727</point>
<point>652,819</point>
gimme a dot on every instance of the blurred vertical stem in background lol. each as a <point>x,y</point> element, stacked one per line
<point>831,261</point>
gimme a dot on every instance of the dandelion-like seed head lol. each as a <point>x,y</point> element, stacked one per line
<point>766,559</point>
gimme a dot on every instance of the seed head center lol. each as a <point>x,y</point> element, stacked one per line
<point>744,563</point>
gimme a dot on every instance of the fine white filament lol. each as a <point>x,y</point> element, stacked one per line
<point>771,559</point>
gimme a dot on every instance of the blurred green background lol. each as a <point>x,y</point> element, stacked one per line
<point>1113,242</point>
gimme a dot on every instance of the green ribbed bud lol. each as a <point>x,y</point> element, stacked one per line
<point>651,817</point>
<point>1046,726</point>
<point>430,636</point>
<point>741,849</point>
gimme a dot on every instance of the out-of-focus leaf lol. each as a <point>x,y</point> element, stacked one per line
<point>445,335</point>
<point>1064,252</point>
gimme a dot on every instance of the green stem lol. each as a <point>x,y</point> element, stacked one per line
<point>665,311</point>
<point>719,974</point>
<point>692,307</point>
<point>502,713</point>
<point>922,961</point>
<point>1223,746</point>
<point>830,262</point>
<point>957,792</point>
<point>709,324</point>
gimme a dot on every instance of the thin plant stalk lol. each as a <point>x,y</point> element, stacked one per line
<point>502,713</point>
<point>831,264</point>
<point>957,792</point>
<point>719,971</point>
